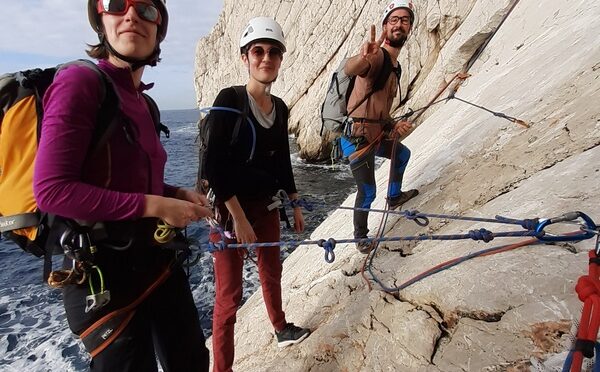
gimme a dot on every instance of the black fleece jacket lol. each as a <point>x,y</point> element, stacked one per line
<point>228,168</point>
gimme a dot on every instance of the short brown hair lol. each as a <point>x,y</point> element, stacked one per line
<point>98,51</point>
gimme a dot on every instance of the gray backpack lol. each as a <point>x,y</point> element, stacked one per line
<point>334,111</point>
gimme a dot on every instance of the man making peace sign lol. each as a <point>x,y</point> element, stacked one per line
<point>373,131</point>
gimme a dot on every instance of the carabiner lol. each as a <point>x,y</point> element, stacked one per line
<point>95,301</point>
<point>587,231</point>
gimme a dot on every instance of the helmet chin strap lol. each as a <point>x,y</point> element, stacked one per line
<point>134,62</point>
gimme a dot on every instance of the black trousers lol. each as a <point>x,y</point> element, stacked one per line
<point>363,171</point>
<point>165,325</point>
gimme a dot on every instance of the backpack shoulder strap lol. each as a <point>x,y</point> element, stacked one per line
<point>243,105</point>
<point>107,119</point>
<point>398,72</point>
<point>281,109</point>
<point>386,69</point>
<point>155,112</point>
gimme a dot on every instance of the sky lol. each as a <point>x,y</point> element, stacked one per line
<point>43,33</point>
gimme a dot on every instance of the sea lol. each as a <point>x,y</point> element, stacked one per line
<point>34,334</point>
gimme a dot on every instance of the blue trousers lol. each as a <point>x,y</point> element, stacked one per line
<point>363,171</point>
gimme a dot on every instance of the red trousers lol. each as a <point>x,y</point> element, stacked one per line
<point>228,266</point>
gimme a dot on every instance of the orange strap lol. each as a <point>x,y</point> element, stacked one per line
<point>126,312</point>
<point>365,150</point>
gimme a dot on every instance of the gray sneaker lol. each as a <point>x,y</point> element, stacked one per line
<point>291,335</point>
<point>405,196</point>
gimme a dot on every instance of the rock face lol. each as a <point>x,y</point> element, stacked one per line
<point>509,311</point>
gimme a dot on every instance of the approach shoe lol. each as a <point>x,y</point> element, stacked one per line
<point>291,334</point>
<point>364,247</point>
<point>397,201</point>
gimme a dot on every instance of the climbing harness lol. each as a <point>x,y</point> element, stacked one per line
<point>77,246</point>
<point>99,335</point>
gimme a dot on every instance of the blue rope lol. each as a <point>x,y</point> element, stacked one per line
<point>528,224</point>
<point>473,234</point>
<point>480,234</point>
<point>422,219</point>
<point>207,110</point>
<point>568,362</point>
<point>597,363</point>
<point>301,202</point>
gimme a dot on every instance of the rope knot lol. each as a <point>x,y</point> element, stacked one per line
<point>586,288</point>
<point>481,234</point>
<point>411,215</point>
<point>328,245</point>
<point>530,224</point>
<point>216,246</point>
<point>301,202</point>
<point>416,216</point>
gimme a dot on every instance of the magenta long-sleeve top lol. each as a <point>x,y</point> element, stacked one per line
<point>111,185</point>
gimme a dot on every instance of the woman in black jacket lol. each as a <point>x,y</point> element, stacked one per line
<point>245,170</point>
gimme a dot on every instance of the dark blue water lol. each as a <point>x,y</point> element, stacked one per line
<point>33,329</point>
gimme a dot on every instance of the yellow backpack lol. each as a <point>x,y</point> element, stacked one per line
<point>21,115</point>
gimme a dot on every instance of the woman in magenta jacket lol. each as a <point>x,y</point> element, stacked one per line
<point>121,186</point>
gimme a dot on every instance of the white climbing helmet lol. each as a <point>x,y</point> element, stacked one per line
<point>262,28</point>
<point>407,4</point>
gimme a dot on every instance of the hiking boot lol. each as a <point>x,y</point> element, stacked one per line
<point>405,196</point>
<point>364,247</point>
<point>291,334</point>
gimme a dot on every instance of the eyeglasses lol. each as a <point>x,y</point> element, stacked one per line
<point>393,20</point>
<point>259,52</point>
<point>148,12</point>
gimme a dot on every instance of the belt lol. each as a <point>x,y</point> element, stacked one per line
<point>367,120</point>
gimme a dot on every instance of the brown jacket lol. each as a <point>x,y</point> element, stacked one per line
<point>377,107</point>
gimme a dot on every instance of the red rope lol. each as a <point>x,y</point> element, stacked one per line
<point>588,290</point>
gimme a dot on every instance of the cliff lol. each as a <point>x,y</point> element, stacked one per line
<point>540,63</point>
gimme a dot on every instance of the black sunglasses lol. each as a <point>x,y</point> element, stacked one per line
<point>259,52</point>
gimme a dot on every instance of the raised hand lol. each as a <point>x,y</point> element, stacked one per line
<point>371,47</point>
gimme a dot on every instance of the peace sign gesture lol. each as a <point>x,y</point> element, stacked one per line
<point>372,46</point>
